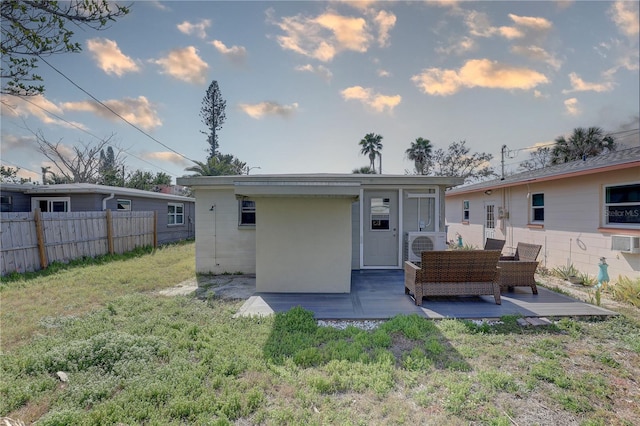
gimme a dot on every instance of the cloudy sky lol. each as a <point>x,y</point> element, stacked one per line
<point>305,81</point>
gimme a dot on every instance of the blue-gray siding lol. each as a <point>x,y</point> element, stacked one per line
<point>93,202</point>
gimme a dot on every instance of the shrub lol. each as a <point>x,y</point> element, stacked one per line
<point>627,290</point>
<point>565,272</point>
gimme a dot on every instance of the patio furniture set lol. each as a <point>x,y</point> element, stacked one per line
<point>472,272</point>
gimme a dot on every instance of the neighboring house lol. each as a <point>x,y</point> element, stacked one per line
<point>306,233</point>
<point>176,214</point>
<point>578,211</point>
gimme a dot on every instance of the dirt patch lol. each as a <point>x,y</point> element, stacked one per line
<point>215,286</point>
<point>578,291</point>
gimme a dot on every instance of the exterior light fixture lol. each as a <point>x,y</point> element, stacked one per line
<point>488,192</point>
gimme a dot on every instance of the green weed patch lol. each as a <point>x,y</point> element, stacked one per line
<point>135,357</point>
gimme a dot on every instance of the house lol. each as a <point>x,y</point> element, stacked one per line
<point>306,233</point>
<point>578,211</point>
<point>176,214</point>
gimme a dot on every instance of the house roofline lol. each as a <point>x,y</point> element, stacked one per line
<point>88,188</point>
<point>561,175</point>
<point>323,180</point>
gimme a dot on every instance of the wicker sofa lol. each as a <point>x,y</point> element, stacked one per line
<point>519,270</point>
<point>453,273</point>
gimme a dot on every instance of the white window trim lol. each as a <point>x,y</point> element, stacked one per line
<point>119,200</point>
<point>175,214</point>
<point>532,208</point>
<point>466,209</point>
<point>35,202</point>
<point>606,224</point>
<point>248,210</point>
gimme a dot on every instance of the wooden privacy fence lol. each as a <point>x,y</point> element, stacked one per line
<point>32,240</point>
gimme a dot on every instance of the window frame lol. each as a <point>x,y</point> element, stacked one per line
<point>605,207</point>
<point>378,217</point>
<point>175,214</point>
<point>6,203</point>
<point>246,210</point>
<point>465,210</point>
<point>123,201</point>
<point>534,208</point>
<point>35,203</point>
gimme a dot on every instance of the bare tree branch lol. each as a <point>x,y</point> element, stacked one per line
<point>78,164</point>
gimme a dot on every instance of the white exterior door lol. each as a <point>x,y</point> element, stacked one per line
<point>380,229</point>
<point>489,220</point>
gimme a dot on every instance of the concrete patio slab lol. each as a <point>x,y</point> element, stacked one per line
<point>379,294</point>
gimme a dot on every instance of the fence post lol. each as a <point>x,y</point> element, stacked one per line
<point>109,231</point>
<point>42,250</point>
<point>155,229</point>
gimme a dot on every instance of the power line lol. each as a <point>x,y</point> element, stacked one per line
<point>11,163</point>
<point>115,113</point>
<point>624,133</point>
<point>630,131</point>
<point>92,135</point>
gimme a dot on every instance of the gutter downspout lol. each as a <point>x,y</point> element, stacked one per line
<point>104,201</point>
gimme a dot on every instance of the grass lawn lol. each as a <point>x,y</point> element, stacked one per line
<point>135,357</point>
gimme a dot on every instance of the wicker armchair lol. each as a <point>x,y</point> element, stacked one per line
<point>524,251</point>
<point>493,244</point>
<point>519,270</point>
<point>453,273</point>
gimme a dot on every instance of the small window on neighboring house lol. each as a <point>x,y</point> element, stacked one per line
<point>51,204</point>
<point>124,205</point>
<point>175,214</point>
<point>537,207</point>
<point>247,212</point>
<point>622,205</point>
<point>6,203</point>
<point>465,211</point>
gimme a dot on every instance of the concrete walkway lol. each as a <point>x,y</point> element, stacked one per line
<point>377,294</point>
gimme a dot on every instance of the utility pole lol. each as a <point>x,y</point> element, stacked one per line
<point>503,151</point>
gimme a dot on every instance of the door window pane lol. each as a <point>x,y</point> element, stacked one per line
<point>491,216</point>
<point>380,214</point>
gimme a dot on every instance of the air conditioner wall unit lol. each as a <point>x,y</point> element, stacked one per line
<point>417,242</point>
<point>625,243</point>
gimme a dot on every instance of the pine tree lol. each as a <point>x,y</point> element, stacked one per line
<point>212,114</point>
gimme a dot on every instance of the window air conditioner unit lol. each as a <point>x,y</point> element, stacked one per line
<point>417,242</point>
<point>625,243</point>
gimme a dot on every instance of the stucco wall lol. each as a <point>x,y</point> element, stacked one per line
<point>573,214</point>
<point>221,245</point>
<point>303,245</point>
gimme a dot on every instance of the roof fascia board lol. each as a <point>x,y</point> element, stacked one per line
<point>602,169</point>
<point>121,192</point>
<point>350,179</point>
<point>297,189</point>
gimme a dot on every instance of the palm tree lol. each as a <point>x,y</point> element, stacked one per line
<point>420,153</point>
<point>371,146</point>
<point>213,167</point>
<point>45,170</point>
<point>219,165</point>
<point>581,144</point>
